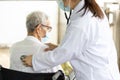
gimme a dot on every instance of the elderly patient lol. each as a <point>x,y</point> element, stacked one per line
<point>37,25</point>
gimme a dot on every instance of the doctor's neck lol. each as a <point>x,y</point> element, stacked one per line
<point>74,3</point>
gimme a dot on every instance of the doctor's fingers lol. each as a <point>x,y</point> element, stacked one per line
<point>27,65</point>
<point>50,46</point>
<point>47,49</point>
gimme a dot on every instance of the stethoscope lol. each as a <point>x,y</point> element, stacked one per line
<point>68,17</point>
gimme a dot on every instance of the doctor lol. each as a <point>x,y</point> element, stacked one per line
<point>87,44</point>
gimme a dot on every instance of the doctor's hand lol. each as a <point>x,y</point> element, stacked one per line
<point>27,61</point>
<point>50,46</point>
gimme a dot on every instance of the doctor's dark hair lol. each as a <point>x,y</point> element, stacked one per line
<point>35,18</point>
<point>94,8</point>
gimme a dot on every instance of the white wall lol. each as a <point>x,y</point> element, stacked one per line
<point>12,23</point>
<point>13,16</point>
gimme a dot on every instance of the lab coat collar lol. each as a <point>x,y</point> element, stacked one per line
<point>78,7</point>
<point>32,38</point>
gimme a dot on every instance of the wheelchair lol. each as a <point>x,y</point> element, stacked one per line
<point>8,74</point>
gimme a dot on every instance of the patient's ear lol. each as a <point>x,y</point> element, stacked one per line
<point>38,28</point>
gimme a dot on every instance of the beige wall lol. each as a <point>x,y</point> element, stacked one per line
<point>116,32</point>
<point>4,57</point>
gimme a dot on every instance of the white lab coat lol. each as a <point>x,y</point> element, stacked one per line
<point>27,46</point>
<point>89,47</point>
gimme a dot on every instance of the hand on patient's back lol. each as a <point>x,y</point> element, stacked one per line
<point>27,61</point>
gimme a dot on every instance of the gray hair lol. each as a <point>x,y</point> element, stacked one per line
<point>35,18</point>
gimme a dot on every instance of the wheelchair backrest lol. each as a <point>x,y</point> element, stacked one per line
<point>8,74</point>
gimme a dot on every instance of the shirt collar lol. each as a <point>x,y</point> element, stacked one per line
<point>78,7</point>
<point>32,38</point>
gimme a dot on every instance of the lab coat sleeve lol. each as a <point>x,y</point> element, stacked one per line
<point>71,45</point>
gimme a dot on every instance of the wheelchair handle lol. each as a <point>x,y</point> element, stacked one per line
<point>56,75</point>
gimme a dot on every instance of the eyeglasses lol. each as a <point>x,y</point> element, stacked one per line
<point>49,28</point>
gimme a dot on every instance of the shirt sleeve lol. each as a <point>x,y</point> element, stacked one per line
<point>71,45</point>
